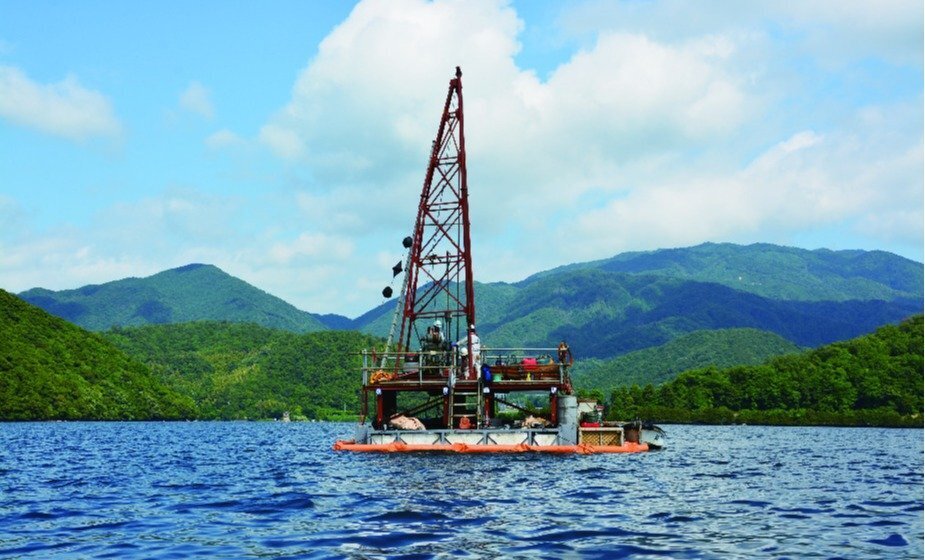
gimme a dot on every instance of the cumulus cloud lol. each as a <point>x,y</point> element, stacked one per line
<point>282,140</point>
<point>361,114</point>
<point>65,109</point>
<point>669,124</point>
<point>362,118</point>
<point>638,140</point>
<point>837,30</point>
<point>359,105</point>
<point>177,227</point>
<point>808,181</point>
<point>195,99</point>
<point>223,139</point>
<point>64,258</point>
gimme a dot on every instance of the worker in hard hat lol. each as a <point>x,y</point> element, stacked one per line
<point>471,344</point>
<point>433,339</point>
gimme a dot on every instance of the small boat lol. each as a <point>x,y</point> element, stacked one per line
<point>435,386</point>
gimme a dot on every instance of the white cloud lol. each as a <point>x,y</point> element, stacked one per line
<point>180,216</point>
<point>640,139</point>
<point>837,30</point>
<point>361,115</point>
<point>840,29</point>
<point>223,139</point>
<point>672,124</point>
<point>285,142</point>
<point>359,105</point>
<point>806,182</point>
<point>316,246</point>
<point>177,227</point>
<point>195,99</point>
<point>61,259</point>
<point>362,118</point>
<point>64,109</point>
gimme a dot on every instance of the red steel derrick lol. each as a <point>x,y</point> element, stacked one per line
<point>440,284</point>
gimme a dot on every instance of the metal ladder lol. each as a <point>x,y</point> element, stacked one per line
<point>462,407</point>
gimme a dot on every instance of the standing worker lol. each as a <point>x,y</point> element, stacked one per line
<point>471,343</point>
<point>437,334</point>
<point>565,353</point>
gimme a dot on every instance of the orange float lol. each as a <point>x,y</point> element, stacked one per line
<point>401,447</point>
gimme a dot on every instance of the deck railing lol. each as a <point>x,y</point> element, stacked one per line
<point>446,366</point>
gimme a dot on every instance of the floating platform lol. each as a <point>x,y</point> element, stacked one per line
<point>436,387</point>
<point>400,447</point>
<point>590,441</point>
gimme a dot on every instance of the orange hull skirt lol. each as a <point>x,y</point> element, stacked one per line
<point>400,447</point>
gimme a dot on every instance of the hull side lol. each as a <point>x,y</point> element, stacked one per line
<point>401,447</point>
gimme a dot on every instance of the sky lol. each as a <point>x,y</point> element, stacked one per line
<point>286,141</point>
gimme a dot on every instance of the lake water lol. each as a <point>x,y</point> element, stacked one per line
<point>241,490</point>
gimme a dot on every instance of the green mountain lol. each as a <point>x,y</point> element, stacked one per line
<point>237,371</point>
<point>604,309</point>
<point>605,314</point>
<point>492,300</point>
<point>699,349</point>
<point>775,272</point>
<point>53,370</point>
<point>190,293</point>
<point>870,380</point>
<point>638,300</point>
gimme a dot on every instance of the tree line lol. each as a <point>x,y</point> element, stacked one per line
<point>871,380</point>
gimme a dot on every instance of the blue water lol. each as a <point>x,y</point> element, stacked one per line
<point>243,490</point>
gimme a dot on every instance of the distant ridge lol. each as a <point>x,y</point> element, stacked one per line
<point>605,314</point>
<point>193,292</point>
<point>334,321</point>
<point>699,349</point>
<point>604,309</point>
<point>774,271</point>
<point>639,300</point>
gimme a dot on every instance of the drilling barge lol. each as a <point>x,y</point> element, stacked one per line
<point>435,387</point>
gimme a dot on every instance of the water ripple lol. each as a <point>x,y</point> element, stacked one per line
<point>247,490</point>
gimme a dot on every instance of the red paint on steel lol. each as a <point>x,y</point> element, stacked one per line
<point>464,201</point>
<point>441,253</point>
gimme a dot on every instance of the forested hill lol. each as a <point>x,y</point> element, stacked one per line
<point>635,301</point>
<point>604,309</point>
<point>190,293</point>
<point>655,365</point>
<point>775,272</point>
<point>238,371</point>
<point>607,314</point>
<point>871,380</point>
<point>51,369</point>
